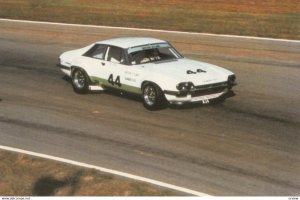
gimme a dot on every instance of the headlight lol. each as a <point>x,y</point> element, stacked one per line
<point>185,86</point>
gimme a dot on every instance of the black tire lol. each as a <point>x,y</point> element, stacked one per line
<point>80,81</point>
<point>153,97</point>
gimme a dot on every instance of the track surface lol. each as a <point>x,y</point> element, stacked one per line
<point>247,145</point>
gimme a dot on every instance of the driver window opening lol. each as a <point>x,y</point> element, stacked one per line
<point>116,55</point>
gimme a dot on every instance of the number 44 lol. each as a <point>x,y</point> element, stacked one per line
<point>116,82</point>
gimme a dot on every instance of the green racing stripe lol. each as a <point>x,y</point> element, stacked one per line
<point>104,82</point>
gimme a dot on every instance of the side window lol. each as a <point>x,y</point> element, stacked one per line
<point>97,51</point>
<point>116,55</point>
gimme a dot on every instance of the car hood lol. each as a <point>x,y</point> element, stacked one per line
<point>187,70</point>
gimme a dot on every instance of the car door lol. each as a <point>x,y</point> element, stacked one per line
<point>114,58</point>
<point>122,76</point>
<point>95,65</point>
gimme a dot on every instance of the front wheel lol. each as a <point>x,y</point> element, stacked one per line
<point>80,81</point>
<point>153,97</point>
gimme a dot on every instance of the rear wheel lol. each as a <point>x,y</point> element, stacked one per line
<point>152,97</point>
<point>80,81</point>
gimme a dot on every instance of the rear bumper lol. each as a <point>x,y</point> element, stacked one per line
<point>65,69</point>
<point>62,66</point>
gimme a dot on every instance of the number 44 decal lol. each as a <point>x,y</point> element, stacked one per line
<point>116,82</point>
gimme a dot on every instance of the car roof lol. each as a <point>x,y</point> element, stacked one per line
<point>126,42</point>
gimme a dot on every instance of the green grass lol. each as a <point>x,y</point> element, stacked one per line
<point>23,175</point>
<point>266,18</point>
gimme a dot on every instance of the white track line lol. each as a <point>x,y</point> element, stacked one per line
<point>152,30</point>
<point>119,173</point>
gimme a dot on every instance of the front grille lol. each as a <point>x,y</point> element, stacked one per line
<point>209,89</point>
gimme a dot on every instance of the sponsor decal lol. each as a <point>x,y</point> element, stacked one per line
<point>130,79</point>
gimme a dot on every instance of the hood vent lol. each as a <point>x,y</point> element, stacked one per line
<point>195,72</point>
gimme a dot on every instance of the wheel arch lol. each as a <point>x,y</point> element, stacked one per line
<point>164,82</point>
<point>160,98</point>
<point>145,82</point>
<point>74,68</point>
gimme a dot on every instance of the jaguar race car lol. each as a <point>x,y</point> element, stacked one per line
<point>148,67</point>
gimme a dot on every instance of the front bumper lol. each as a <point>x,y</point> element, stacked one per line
<point>203,93</point>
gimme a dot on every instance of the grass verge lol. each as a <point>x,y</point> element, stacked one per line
<point>266,18</point>
<point>24,175</point>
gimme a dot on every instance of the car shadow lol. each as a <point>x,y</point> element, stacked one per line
<point>67,79</point>
<point>122,94</point>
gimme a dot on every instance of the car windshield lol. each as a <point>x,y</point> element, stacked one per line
<point>152,53</point>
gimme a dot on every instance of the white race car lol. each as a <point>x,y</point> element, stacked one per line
<point>145,66</point>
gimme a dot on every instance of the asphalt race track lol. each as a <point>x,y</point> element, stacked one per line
<point>246,145</point>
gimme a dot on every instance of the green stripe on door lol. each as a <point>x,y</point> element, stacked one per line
<point>124,87</point>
